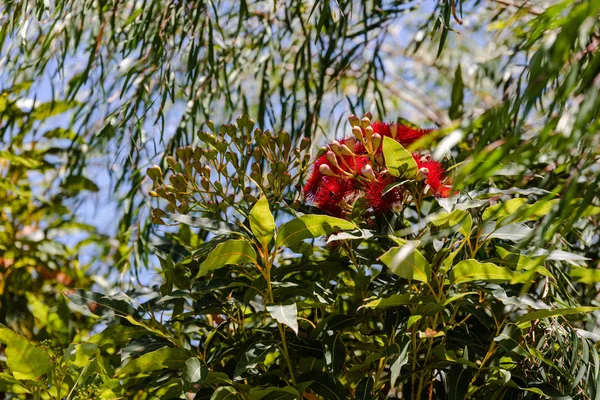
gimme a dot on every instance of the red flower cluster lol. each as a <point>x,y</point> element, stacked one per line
<point>355,166</point>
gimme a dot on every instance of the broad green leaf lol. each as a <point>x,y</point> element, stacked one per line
<point>447,220</point>
<point>8,384</point>
<point>407,263</point>
<point>512,232</point>
<point>286,314</point>
<point>255,355</point>
<point>503,210</point>
<point>556,313</point>
<point>100,304</point>
<point>25,360</point>
<point>262,222</point>
<point>310,226</point>
<point>167,357</point>
<point>80,355</point>
<point>230,252</point>
<point>322,384</point>
<point>49,109</point>
<point>225,393</point>
<point>274,393</point>
<point>473,270</point>
<point>398,160</point>
<point>194,372</point>
<point>116,336</point>
<point>517,210</point>
<point>586,275</point>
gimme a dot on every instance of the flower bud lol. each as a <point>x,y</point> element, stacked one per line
<point>345,151</point>
<point>350,142</point>
<point>354,120</point>
<point>171,161</point>
<point>304,143</point>
<point>397,207</point>
<point>366,121</point>
<point>394,130</point>
<point>152,193</point>
<point>368,134</point>
<point>331,157</point>
<point>368,173</point>
<point>357,132</point>
<point>376,140</point>
<point>180,152</point>
<point>335,147</point>
<point>154,172</point>
<point>326,170</point>
<point>422,174</point>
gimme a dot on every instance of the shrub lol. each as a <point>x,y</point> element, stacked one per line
<point>373,280</point>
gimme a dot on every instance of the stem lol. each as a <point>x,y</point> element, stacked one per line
<point>284,348</point>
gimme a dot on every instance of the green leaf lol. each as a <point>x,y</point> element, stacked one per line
<point>310,226</point>
<point>274,393</point>
<point>262,222</point>
<point>255,355</point>
<point>100,304</point>
<point>286,314</point>
<point>216,227</point>
<point>473,270</point>
<point>398,160</point>
<point>407,262</point>
<point>503,210</point>
<point>49,109</point>
<point>25,360</point>
<point>80,355</point>
<point>167,357</point>
<point>230,252</point>
<point>323,385</point>
<point>115,336</point>
<point>335,353</point>
<point>401,361</point>
<point>457,108</point>
<point>225,393</point>
<point>194,372</point>
<point>9,384</point>
<point>555,313</point>
<point>447,220</point>
<point>78,183</point>
<point>364,389</point>
<point>393,301</point>
<point>586,275</point>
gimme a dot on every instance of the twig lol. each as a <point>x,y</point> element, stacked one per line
<point>527,7</point>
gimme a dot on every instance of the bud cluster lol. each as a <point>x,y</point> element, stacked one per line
<point>230,169</point>
<point>355,166</point>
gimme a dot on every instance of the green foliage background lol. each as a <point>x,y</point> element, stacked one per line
<point>92,93</point>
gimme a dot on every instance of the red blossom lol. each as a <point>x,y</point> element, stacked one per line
<point>435,176</point>
<point>375,197</point>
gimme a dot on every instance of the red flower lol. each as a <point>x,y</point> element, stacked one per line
<point>435,175</point>
<point>375,197</point>
<point>332,194</point>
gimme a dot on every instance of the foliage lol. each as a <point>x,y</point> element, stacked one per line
<point>489,292</point>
